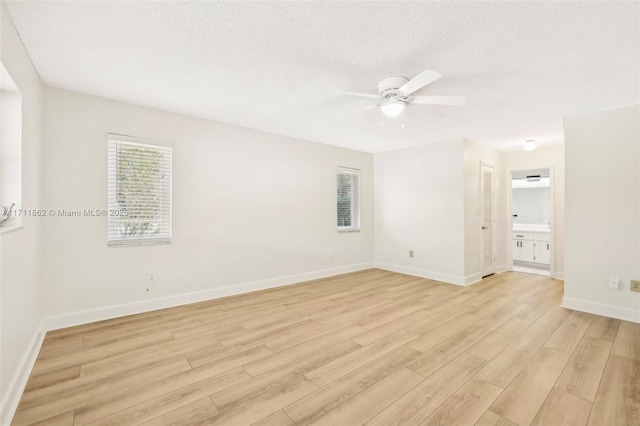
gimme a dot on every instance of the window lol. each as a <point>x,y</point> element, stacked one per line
<point>139,179</point>
<point>348,200</point>
<point>10,153</point>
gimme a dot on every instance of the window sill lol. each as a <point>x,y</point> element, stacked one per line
<point>137,243</point>
<point>7,229</point>
<point>347,231</point>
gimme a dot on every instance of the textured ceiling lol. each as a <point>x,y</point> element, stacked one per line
<point>274,66</point>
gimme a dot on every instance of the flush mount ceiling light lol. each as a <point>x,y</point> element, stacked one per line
<point>530,145</point>
<point>524,183</point>
<point>392,107</point>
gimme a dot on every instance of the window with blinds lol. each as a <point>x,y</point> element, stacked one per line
<point>139,186</point>
<point>348,200</point>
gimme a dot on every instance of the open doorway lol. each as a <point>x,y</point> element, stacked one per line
<point>531,217</point>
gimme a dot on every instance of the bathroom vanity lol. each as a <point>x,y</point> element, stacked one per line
<point>531,243</point>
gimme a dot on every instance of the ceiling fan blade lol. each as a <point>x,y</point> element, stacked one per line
<point>357,110</point>
<point>439,100</point>
<point>362,95</point>
<point>419,81</point>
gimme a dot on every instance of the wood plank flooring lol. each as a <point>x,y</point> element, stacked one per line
<point>371,348</point>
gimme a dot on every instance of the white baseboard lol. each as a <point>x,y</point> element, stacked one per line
<point>501,268</point>
<point>558,275</point>
<point>424,273</point>
<point>473,278</point>
<point>9,403</point>
<point>92,315</point>
<point>632,315</point>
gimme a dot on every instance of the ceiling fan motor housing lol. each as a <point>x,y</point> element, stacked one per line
<point>390,86</point>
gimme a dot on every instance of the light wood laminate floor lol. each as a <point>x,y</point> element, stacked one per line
<point>367,348</point>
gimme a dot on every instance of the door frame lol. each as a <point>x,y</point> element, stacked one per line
<point>552,225</point>
<point>494,268</point>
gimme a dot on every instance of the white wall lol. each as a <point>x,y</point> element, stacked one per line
<point>427,199</point>
<point>474,155</point>
<point>247,206</point>
<point>419,206</point>
<point>531,205</point>
<point>554,159</point>
<point>603,211</point>
<point>20,292</point>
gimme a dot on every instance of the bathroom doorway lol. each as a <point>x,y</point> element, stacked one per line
<point>531,218</point>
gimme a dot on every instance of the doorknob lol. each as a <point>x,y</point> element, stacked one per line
<point>484,227</point>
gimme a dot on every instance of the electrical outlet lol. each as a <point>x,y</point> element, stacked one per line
<point>410,253</point>
<point>614,282</point>
<point>635,285</point>
<point>151,277</point>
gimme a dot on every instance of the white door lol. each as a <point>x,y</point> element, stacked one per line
<point>487,214</point>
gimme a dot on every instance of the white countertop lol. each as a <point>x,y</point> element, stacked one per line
<point>530,227</point>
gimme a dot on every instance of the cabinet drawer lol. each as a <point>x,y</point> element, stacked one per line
<point>543,237</point>
<point>522,236</point>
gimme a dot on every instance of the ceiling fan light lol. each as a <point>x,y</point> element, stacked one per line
<point>530,145</point>
<point>392,107</point>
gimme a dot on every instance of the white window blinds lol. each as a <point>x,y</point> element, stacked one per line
<point>348,199</point>
<point>139,186</point>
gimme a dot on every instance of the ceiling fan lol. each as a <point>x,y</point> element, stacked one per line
<point>395,94</point>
